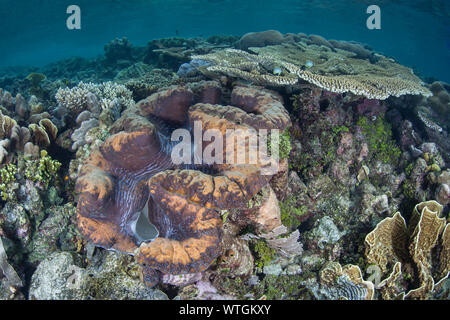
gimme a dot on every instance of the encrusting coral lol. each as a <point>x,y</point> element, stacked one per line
<point>128,174</point>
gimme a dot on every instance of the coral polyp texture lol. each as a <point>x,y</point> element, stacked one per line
<point>333,69</point>
<point>132,173</point>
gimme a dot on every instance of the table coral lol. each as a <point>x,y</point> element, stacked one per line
<point>129,171</point>
<point>333,69</point>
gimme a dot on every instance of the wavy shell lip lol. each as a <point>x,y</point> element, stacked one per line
<point>134,200</point>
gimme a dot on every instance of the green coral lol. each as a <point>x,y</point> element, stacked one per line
<point>379,139</point>
<point>43,169</point>
<point>282,287</point>
<point>319,151</point>
<point>338,129</point>
<point>284,146</point>
<point>264,254</point>
<point>7,174</point>
<point>409,168</point>
<point>290,214</point>
<point>36,78</point>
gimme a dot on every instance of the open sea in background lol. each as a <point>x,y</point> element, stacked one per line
<point>415,32</point>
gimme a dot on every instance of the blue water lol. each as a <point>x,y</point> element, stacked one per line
<point>415,32</point>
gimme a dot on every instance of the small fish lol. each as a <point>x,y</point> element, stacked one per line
<point>277,71</point>
<point>309,64</point>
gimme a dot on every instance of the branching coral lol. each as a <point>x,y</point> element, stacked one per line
<point>128,175</point>
<point>79,98</point>
<point>43,169</point>
<point>93,105</point>
<point>7,174</point>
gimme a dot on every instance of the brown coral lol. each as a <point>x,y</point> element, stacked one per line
<point>410,250</point>
<point>44,133</point>
<point>7,124</point>
<point>387,241</point>
<point>346,281</point>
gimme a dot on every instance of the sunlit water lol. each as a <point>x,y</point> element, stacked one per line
<point>415,32</point>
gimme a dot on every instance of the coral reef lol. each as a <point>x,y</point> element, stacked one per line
<point>59,277</point>
<point>117,50</point>
<point>334,70</point>
<point>12,281</point>
<point>408,250</point>
<point>95,204</point>
<point>342,283</point>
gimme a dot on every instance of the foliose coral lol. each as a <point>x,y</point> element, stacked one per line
<point>408,250</point>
